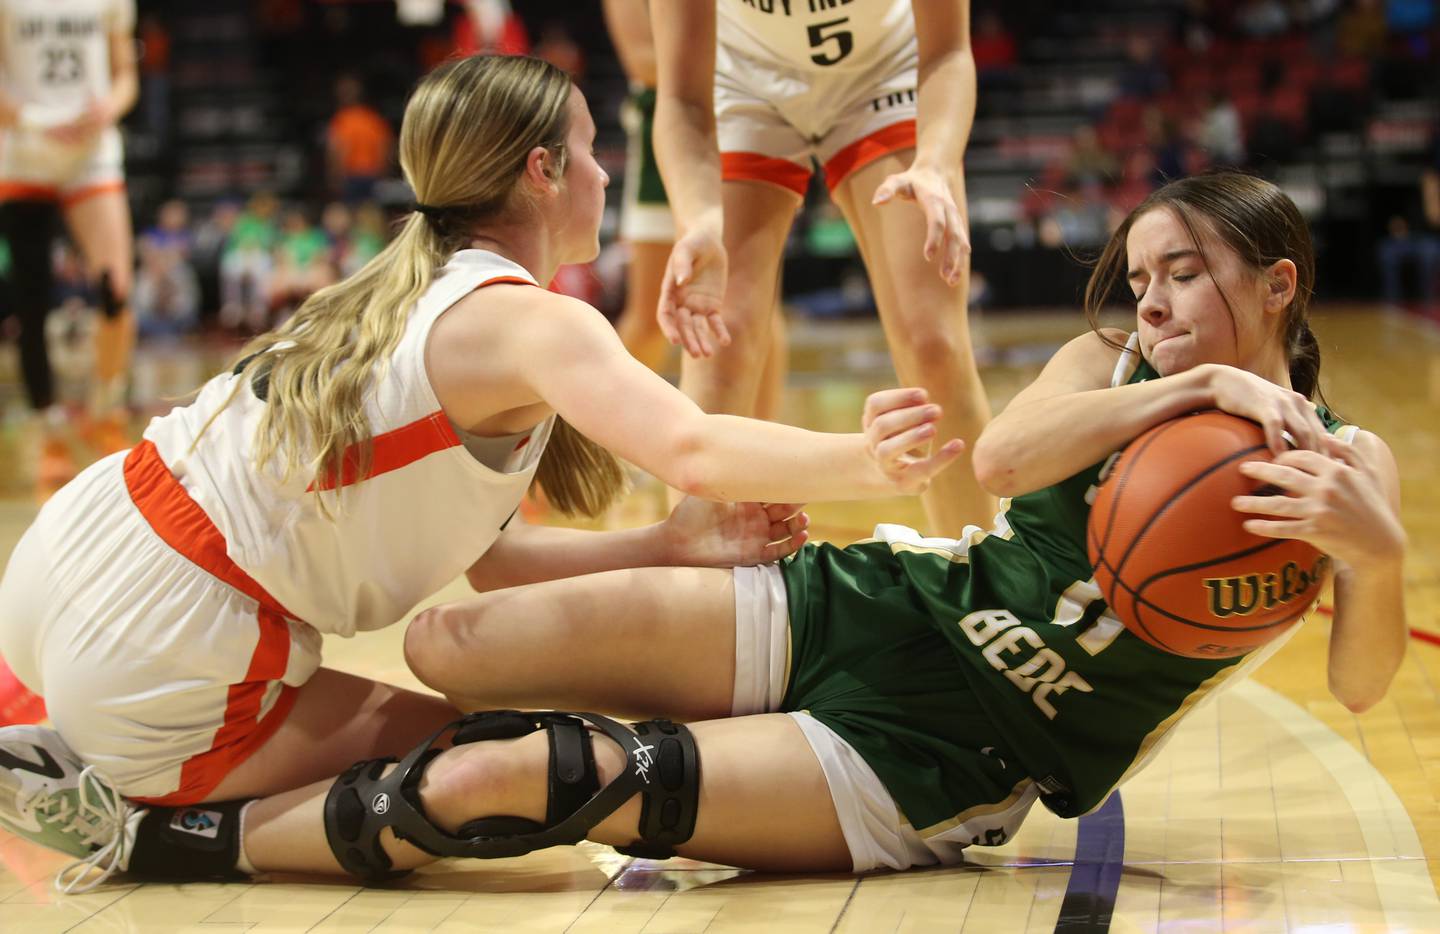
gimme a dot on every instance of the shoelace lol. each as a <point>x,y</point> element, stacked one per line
<point>104,819</point>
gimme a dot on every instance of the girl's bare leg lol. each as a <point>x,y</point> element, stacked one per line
<point>338,719</point>
<point>764,802</point>
<point>757,220</point>
<point>928,331</point>
<point>100,226</point>
<point>637,326</point>
<point>640,643</point>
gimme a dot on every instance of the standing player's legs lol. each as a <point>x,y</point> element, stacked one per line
<point>99,222</point>
<point>758,216</point>
<point>648,230</point>
<point>927,328</point>
<point>777,366</point>
<point>28,227</point>
<point>637,326</point>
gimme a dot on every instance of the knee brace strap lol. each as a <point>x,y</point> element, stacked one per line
<point>662,764</point>
<point>671,763</point>
<point>111,301</point>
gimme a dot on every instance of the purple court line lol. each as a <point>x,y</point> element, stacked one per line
<point>1095,877</point>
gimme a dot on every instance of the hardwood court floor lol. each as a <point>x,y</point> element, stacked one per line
<point>1273,809</point>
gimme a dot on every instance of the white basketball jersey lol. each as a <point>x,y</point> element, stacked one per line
<point>56,53</point>
<point>817,35</point>
<point>425,510</point>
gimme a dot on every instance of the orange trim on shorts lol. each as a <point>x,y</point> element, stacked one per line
<point>184,526</point>
<point>70,198</point>
<point>27,191</point>
<point>757,167</point>
<point>862,152</point>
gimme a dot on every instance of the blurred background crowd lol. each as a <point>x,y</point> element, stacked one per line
<point>260,160</point>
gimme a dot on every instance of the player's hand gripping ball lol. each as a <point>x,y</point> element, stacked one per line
<point>1171,556</point>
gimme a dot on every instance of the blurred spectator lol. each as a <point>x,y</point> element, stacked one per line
<point>167,293</point>
<point>1221,132</point>
<point>1409,17</point>
<point>491,27</point>
<point>246,266</point>
<point>1089,164</point>
<point>336,222</point>
<point>1195,26</point>
<point>70,326</point>
<point>280,17</point>
<point>367,238</point>
<point>826,232</point>
<point>207,246</point>
<point>559,48</point>
<point>358,143</point>
<point>1168,147</point>
<point>302,262</point>
<point>993,48</point>
<point>1142,76</point>
<point>155,74</point>
<point>1137,180</point>
<point>1362,29</point>
<point>1413,237</point>
<point>1262,19</point>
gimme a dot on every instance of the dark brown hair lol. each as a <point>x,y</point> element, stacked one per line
<point>1252,217</point>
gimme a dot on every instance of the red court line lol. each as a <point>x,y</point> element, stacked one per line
<point>1420,634</point>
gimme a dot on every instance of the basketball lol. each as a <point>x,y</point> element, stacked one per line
<point>1171,556</point>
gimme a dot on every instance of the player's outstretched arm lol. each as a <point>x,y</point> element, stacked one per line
<point>697,533</point>
<point>544,348</point>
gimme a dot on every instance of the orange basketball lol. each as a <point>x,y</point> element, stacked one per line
<point>1171,556</point>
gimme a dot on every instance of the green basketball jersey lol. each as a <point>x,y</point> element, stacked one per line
<point>1080,701</point>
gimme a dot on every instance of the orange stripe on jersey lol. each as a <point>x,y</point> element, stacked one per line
<point>756,167</point>
<point>183,525</point>
<point>394,449</point>
<point>893,138</point>
<point>407,444</point>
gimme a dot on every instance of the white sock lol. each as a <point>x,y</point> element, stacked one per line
<point>243,862</point>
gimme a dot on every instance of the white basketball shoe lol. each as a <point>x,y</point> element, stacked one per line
<point>50,797</point>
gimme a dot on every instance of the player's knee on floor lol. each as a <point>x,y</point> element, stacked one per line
<point>661,765</point>
<point>434,654</point>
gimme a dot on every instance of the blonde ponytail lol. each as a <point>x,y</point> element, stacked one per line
<point>467,131</point>
<point>578,475</point>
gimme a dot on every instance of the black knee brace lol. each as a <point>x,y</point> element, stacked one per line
<point>663,765</point>
<point>111,301</point>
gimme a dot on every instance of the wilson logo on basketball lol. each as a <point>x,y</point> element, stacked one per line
<point>1243,595</point>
